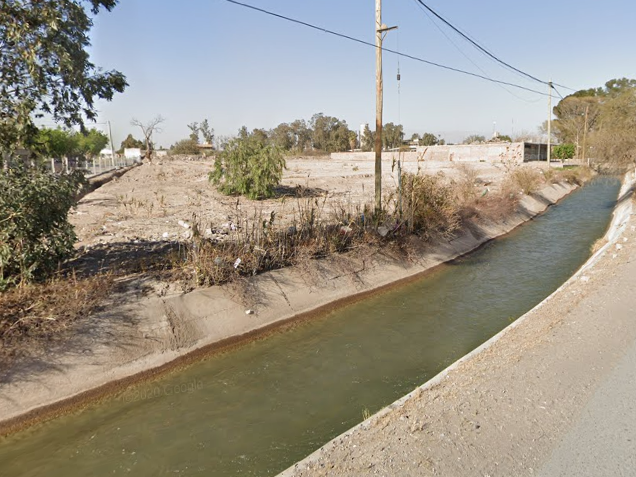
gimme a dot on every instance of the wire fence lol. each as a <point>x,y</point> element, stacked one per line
<point>93,167</point>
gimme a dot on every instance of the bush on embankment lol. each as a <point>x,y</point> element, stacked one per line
<point>35,234</point>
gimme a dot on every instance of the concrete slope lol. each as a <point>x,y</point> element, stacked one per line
<point>551,394</point>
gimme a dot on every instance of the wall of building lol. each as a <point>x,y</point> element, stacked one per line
<point>513,152</point>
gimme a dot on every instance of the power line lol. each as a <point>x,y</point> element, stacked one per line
<point>468,57</point>
<point>388,50</point>
<point>482,49</point>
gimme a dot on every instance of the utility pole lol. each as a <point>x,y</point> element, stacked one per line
<point>379,30</point>
<point>112,147</point>
<point>549,119</point>
<point>587,108</point>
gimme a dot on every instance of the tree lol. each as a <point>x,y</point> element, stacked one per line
<point>603,119</point>
<point>392,136</point>
<point>368,139</point>
<point>194,132</point>
<point>283,137</point>
<point>91,143</point>
<point>302,135</point>
<point>45,68</point>
<point>148,129</point>
<point>329,134</point>
<point>474,138</point>
<point>207,132</point>
<point>504,138</point>
<point>187,147</point>
<point>130,143</point>
<point>248,166</point>
<point>428,139</point>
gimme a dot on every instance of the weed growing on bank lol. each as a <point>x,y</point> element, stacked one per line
<point>34,312</point>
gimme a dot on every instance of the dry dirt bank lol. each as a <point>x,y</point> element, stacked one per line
<point>144,333</point>
<point>505,409</point>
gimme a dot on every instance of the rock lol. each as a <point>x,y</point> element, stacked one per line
<point>249,312</point>
<point>619,246</point>
<point>292,230</point>
<point>345,229</point>
<point>585,278</point>
<point>165,235</point>
<point>383,231</point>
<point>183,224</point>
<point>237,263</point>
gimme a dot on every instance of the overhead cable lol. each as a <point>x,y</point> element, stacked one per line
<point>388,50</point>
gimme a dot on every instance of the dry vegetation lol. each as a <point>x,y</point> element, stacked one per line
<point>36,312</point>
<point>306,226</point>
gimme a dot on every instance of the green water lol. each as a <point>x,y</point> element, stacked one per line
<point>259,409</point>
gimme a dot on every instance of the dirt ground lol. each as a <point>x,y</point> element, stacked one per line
<point>159,202</point>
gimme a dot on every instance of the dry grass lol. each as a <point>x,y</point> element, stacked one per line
<point>526,179</point>
<point>33,313</point>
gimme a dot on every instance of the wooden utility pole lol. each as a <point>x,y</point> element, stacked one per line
<point>380,29</point>
<point>549,119</point>
<point>587,108</point>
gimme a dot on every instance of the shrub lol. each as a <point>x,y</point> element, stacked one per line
<point>564,151</point>
<point>248,166</point>
<point>35,234</point>
<point>187,147</point>
<point>526,179</point>
<point>430,205</point>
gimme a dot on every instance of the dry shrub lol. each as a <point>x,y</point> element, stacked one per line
<point>526,179</point>
<point>574,175</point>
<point>430,205</point>
<point>467,193</point>
<point>262,245</point>
<point>39,311</point>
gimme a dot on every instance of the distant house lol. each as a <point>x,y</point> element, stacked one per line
<point>133,153</point>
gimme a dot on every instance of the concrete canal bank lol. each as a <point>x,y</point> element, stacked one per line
<point>143,335</point>
<point>549,395</point>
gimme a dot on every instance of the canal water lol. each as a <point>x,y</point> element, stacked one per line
<point>258,409</point>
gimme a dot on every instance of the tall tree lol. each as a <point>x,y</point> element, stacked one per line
<point>429,139</point>
<point>207,132</point>
<point>45,67</point>
<point>392,135</point>
<point>130,143</point>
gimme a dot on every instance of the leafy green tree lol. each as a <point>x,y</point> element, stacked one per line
<point>283,137</point>
<point>504,137</point>
<point>302,134</point>
<point>35,234</point>
<point>130,143</point>
<point>329,134</point>
<point>392,136</point>
<point>603,119</point>
<point>91,143</point>
<point>249,166</point>
<point>45,67</point>
<point>368,139</point>
<point>564,151</point>
<point>429,139</point>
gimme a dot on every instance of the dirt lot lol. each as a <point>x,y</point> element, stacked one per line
<point>159,201</point>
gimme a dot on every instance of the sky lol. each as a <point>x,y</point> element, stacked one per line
<point>191,60</point>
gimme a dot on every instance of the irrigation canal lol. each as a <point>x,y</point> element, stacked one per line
<point>259,408</point>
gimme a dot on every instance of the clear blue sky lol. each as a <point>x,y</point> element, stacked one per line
<point>193,59</point>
